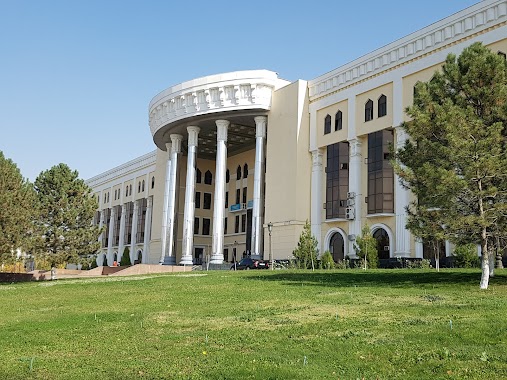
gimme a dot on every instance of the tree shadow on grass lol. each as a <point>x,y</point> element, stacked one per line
<point>392,278</point>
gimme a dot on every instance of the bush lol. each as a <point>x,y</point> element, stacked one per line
<point>366,246</point>
<point>465,256</point>
<point>326,261</point>
<point>125,258</point>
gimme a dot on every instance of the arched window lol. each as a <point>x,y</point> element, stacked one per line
<point>139,187</point>
<point>208,178</point>
<point>337,247</point>
<point>115,195</point>
<point>238,172</point>
<point>130,189</point>
<point>245,171</point>
<point>227,176</point>
<point>152,182</point>
<point>338,123</point>
<point>327,124</point>
<point>368,110</point>
<point>105,197</point>
<point>382,106</point>
<point>126,191</point>
<point>198,175</point>
<point>382,243</point>
<point>142,187</point>
<point>108,196</point>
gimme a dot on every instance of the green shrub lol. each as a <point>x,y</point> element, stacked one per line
<point>366,246</point>
<point>326,261</point>
<point>125,258</point>
<point>465,256</point>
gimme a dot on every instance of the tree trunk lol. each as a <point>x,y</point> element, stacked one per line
<point>491,257</point>
<point>485,263</point>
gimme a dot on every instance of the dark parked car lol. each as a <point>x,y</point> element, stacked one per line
<point>249,263</point>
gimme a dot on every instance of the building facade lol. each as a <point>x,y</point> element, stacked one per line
<point>237,151</point>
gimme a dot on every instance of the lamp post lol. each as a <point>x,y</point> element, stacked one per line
<point>234,254</point>
<point>270,228</point>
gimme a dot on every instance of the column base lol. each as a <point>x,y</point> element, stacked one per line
<point>186,260</point>
<point>402,254</point>
<point>216,259</point>
<point>168,260</point>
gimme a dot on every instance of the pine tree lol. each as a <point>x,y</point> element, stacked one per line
<point>306,252</point>
<point>455,159</point>
<point>17,212</point>
<point>67,210</point>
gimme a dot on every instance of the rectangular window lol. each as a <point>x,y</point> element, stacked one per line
<point>245,192</point>
<point>207,201</point>
<point>197,199</point>
<point>380,173</point>
<point>196,226</point>
<point>236,226</point>
<point>205,226</point>
<point>226,199</point>
<point>238,195</point>
<point>243,223</point>
<point>226,255</point>
<point>225,226</point>
<point>337,180</point>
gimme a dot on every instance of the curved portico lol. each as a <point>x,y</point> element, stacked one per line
<point>215,118</point>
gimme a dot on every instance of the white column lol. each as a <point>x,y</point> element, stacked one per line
<point>189,211</point>
<point>419,249</point>
<point>355,173</point>
<point>100,256</point>
<point>170,258</point>
<point>134,232</point>
<point>163,233</point>
<point>217,256</point>
<point>112,218</point>
<point>258,196</point>
<point>401,198</point>
<point>147,231</point>
<point>316,197</point>
<point>121,243</point>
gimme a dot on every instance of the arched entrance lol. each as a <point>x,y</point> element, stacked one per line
<point>383,243</point>
<point>337,247</point>
<point>139,258</point>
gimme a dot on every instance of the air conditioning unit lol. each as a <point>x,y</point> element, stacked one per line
<point>352,237</point>
<point>351,195</point>
<point>351,202</point>
<point>386,248</point>
<point>349,213</point>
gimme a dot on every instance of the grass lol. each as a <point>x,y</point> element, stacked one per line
<point>384,324</point>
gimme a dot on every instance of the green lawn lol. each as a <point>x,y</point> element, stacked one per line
<point>384,324</point>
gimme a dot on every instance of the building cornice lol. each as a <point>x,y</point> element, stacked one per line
<point>473,20</point>
<point>240,90</point>
<point>132,166</point>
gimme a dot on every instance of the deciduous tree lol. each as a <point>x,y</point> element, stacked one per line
<point>306,252</point>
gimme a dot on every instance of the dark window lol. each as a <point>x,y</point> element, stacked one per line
<point>115,195</point>
<point>129,213</point>
<point>238,172</point>
<point>141,217</point>
<point>196,226</point>
<point>502,54</point>
<point>368,110</point>
<point>327,124</point>
<point>142,187</point>
<point>227,176</point>
<point>205,226</point>
<point>116,226</point>
<point>152,182</point>
<point>208,178</point>
<point>382,106</point>
<point>243,223</point>
<point>244,194</point>
<point>207,201</point>
<point>380,173</point>
<point>130,189</point>
<point>226,254</point>
<point>337,180</point>
<point>198,176</point>
<point>107,196</point>
<point>127,191</point>
<point>236,225</point>
<point>139,187</point>
<point>238,195</point>
<point>225,226</point>
<point>226,199</point>
<point>106,220</point>
<point>338,122</point>
<point>245,171</point>
<point>197,199</point>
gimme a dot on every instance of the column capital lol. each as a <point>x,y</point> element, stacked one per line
<point>317,157</point>
<point>136,205</point>
<point>113,211</point>
<point>123,207</point>
<point>176,143</point>
<point>355,147</point>
<point>193,135</point>
<point>222,126</point>
<point>260,126</point>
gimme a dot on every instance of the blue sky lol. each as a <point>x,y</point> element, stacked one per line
<point>76,77</point>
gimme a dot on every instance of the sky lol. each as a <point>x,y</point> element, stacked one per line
<point>76,77</point>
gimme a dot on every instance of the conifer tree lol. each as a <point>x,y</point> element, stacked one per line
<point>67,209</point>
<point>455,159</point>
<point>306,252</point>
<point>366,248</point>
<point>17,212</point>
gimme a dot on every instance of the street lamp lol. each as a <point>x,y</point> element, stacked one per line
<point>270,228</point>
<point>234,254</point>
